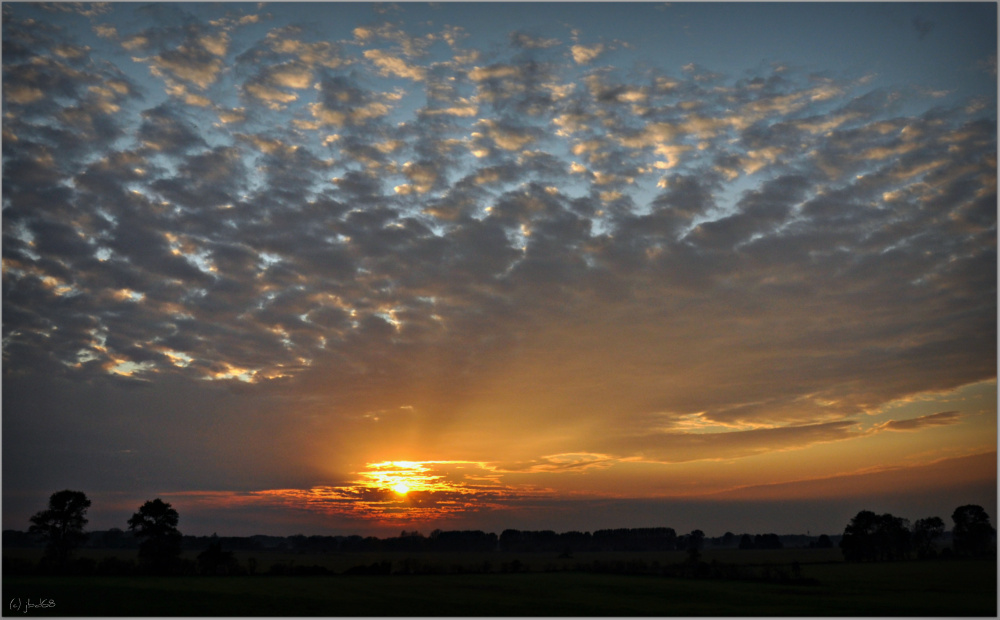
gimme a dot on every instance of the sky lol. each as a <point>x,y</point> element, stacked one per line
<point>362,268</point>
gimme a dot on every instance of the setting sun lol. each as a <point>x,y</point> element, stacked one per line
<point>400,477</point>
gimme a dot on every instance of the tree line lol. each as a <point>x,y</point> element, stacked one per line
<point>868,537</point>
<point>871,537</point>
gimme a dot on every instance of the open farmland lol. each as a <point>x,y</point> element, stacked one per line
<point>544,585</point>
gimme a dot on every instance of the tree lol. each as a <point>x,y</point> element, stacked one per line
<point>156,523</point>
<point>767,541</point>
<point>925,532</point>
<point>893,537</point>
<point>858,542</point>
<point>215,561</point>
<point>875,537</point>
<point>972,534</point>
<point>694,542</point>
<point>61,524</point>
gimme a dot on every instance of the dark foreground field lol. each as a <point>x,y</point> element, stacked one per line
<point>945,588</point>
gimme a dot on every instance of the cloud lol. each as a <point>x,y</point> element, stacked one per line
<point>527,41</point>
<point>910,478</point>
<point>758,212</point>
<point>505,136</point>
<point>528,86</point>
<point>493,72</point>
<point>393,65</point>
<point>410,45</point>
<point>344,102</point>
<point>584,55</point>
<point>560,273</point>
<point>943,418</point>
<point>164,131</point>
<point>460,107</point>
<point>197,60</point>
<point>569,462</point>
<point>422,176</point>
<point>673,447</point>
<point>437,491</point>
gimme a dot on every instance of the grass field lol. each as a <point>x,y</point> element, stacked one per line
<point>340,562</point>
<point>947,588</point>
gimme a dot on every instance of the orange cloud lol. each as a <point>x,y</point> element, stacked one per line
<point>941,474</point>
<point>943,418</point>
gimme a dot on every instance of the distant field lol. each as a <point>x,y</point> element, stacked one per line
<point>341,561</point>
<point>945,588</point>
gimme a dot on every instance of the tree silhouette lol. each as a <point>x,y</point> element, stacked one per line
<point>215,561</point>
<point>925,532</point>
<point>61,524</point>
<point>875,537</point>
<point>894,539</point>
<point>972,533</point>
<point>156,523</point>
<point>695,541</point>
<point>767,541</point>
<point>857,543</point>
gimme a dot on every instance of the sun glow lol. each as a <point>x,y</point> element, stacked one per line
<point>409,492</point>
<point>401,477</point>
